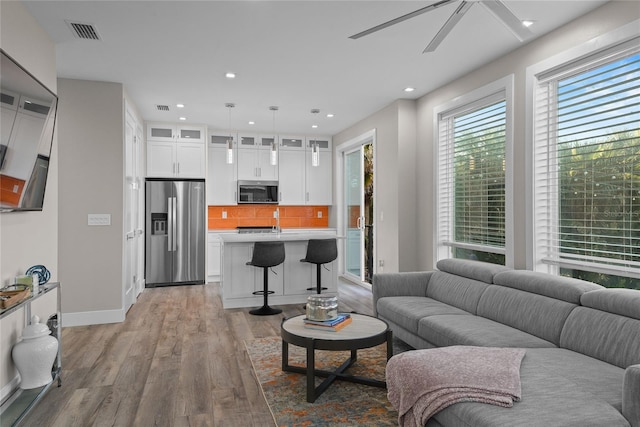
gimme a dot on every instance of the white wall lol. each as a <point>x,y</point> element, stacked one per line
<point>90,131</point>
<point>27,238</point>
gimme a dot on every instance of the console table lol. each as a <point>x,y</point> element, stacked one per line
<point>16,407</point>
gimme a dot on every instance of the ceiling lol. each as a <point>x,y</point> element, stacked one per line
<point>292,54</point>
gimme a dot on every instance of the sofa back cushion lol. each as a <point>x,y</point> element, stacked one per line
<point>557,287</point>
<point>455,290</point>
<point>606,327</point>
<point>535,314</point>
<point>477,270</point>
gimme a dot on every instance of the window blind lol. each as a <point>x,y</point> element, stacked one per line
<point>471,169</point>
<point>587,165</point>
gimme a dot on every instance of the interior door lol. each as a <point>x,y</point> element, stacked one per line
<point>131,215</point>
<point>354,220</point>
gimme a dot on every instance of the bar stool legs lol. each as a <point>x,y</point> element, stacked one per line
<point>265,310</point>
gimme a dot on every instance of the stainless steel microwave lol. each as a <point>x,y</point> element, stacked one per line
<point>258,192</point>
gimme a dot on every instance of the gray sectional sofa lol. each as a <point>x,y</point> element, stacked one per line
<point>582,341</point>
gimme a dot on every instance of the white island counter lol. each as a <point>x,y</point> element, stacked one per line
<point>289,281</point>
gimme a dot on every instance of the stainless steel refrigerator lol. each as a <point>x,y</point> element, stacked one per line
<point>176,232</point>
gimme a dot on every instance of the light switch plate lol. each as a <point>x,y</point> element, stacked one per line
<point>319,214</point>
<point>99,219</point>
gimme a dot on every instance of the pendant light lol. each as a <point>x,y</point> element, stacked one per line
<point>229,106</point>
<point>315,150</point>
<point>274,145</point>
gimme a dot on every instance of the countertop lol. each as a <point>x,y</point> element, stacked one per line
<point>285,235</point>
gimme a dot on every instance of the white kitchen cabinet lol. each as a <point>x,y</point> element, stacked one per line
<point>292,177</point>
<point>214,246</point>
<point>190,134</point>
<point>292,142</point>
<point>255,164</point>
<point>175,160</point>
<point>319,179</point>
<point>221,180</point>
<point>247,140</point>
<point>175,151</point>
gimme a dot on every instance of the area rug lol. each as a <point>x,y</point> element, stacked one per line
<point>342,404</point>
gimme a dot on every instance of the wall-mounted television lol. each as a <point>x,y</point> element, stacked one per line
<point>28,116</point>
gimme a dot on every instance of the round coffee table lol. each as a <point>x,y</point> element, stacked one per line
<point>363,332</point>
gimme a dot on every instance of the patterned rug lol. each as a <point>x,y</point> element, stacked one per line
<point>342,404</point>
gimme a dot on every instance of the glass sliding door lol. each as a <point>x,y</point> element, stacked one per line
<point>354,220</point>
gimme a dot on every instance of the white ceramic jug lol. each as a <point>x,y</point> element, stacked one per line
<point>35,354</point>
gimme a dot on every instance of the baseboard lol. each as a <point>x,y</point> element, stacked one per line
<point>9,388</point>
<point>93,317</point>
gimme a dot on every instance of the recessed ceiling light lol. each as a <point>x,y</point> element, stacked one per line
<point>329,115</point>
<point>314,126</point>
<point>230,75</point>
<point>527,23</point>
<point>409,89</point>
<point>252,123</point>
<point>183,118</point>
<point>180,105</point>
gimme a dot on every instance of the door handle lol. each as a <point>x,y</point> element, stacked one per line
<point>169,224</point>
<point>174,227</point>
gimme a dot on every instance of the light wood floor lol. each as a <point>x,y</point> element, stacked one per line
<point>177,360</point>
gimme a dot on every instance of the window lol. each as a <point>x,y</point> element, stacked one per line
<point>586,172</point>
<point>473,137</point>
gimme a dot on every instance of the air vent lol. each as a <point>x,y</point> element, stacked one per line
<point>162,107</point>
<point>83,31</point>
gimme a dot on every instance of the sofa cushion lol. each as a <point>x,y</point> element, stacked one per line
<point>476,270</point>
<point>535,314</point>
<point>456,291</point>
<point>625,302</point>
<point>559,388</point>
<point>407,311</point>
<point>558,287</point>
<point>445,330</point>
<point>609,337</point>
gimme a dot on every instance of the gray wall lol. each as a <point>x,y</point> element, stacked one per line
<point>90,131</point>
<point>405,178</point>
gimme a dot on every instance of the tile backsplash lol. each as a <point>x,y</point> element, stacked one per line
<point>230,217</point>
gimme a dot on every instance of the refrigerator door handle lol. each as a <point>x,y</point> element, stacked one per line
<point>169,224</point>
<point>174,225</point>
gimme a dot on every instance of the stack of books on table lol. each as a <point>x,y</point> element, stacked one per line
<point>333,325</point>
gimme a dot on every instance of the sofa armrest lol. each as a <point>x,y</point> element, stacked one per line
<point>399,284</point>
<point>631,395</point>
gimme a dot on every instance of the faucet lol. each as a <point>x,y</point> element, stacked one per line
<point>277,228</point>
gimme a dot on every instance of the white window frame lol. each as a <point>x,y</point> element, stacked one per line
<point>566,60</point>
<point>504,86</point>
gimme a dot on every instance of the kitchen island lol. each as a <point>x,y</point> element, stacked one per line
<point>289,280</point>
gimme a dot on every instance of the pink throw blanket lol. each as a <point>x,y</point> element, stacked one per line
<point>422,382</point>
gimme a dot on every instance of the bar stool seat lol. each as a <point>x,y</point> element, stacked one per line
<point>266,255</point>
<point>320,251</point>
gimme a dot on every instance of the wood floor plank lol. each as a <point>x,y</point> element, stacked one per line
<point>179,359</point>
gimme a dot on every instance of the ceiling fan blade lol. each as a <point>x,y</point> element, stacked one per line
<point>448,26</point>
<point>502,12</point>
<point>402,18</point>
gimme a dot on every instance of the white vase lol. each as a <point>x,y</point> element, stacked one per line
<point>35,354</point>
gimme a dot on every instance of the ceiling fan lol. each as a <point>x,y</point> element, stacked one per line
<point>496,7</point>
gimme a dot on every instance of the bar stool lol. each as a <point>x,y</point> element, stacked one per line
<point>320,251</point>
<point>266,255</point>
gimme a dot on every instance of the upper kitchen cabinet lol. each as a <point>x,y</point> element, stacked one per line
<point>254,157</point>
<point>292,142</point>
<point>175,151</point>
<point>222,175</point>
<point>319,178</point>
